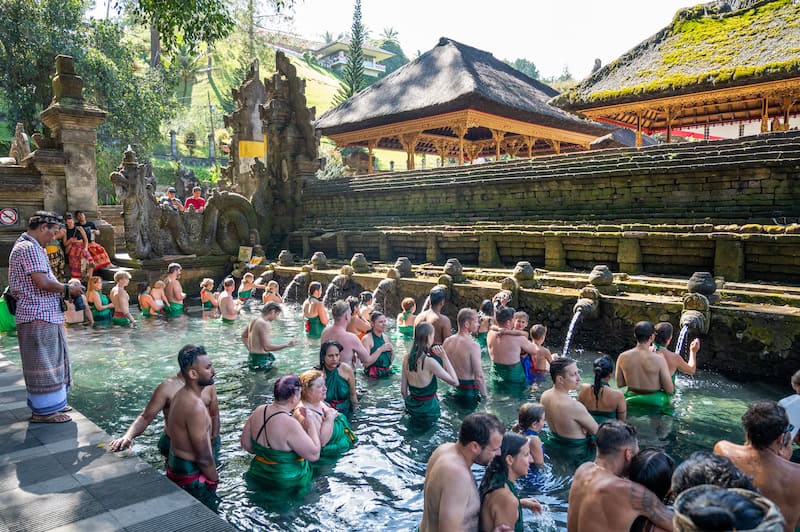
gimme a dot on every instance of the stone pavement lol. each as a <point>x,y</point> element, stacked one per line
<point>59,477</point>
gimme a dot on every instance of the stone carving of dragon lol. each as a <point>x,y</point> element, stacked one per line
<point>153,230</point>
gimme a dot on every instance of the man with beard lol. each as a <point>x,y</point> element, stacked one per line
<point>190,463</point>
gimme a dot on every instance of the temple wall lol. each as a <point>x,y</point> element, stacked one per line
<point>21,189</point>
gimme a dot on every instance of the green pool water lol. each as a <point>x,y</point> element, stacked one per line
<point>378,484</point>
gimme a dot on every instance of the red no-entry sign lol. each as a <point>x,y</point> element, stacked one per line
<point>8,216</point>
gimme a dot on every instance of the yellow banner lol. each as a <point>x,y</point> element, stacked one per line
<point>253,148</point>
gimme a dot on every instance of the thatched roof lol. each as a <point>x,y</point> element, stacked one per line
<point>452,77</point>
<point>723,44</point>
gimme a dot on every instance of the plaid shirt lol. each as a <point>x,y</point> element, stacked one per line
<point>27,257</point>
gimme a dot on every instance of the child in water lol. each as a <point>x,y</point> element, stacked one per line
<point>485,322</point>
<point>541,362</point>
<point>272,293</point>
<point>530,422</point>
<point>159,298</point>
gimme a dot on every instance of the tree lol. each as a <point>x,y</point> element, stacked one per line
<point>389,34</point>
<point>328,37</point>
<point>187,64</point>
<point>353,73</point>
<point>525,66</point>
<point>566,75</point>
<point>397,60</point>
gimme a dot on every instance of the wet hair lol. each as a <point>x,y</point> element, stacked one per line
<point>324,348</point>
<point>205,281</point>
<point>365,297</point>
<point>478,427</point>
<point>120,275</point>
<point>529,413</point>
<point>340,308</point>
<point>538,331</point>
<point>44,218</point>
<point>487,307</point>
<point>285,387</point>
<point>613,435</point>
<point>375,315</point>
<point>497,471</point>
<point>174,267</point>
<point>521,314</point>
<point>248,274</point>
<point>764,422</point>
<point>187,356</point>
<point>437,295</point>
<point>603,367</point>
<point>419,349</point>
<point>713,508</point>
<point>465,315</point>
<point>273,283</point>
<point>141,287</point>
<point>272,306</point>
<point>704,467</point>
<point>504,315</point>
<point>652,468</point>
<point>796,378</point>
<point>663,332</point>
<point>558,367</point>
<point>643,331</point>
<point>313,286</point>
<point>408,303</point>
<point>353,302</point>
<point>228,282</point>
<point>308,377</point>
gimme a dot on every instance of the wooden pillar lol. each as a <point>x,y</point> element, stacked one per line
<point>638,129</point>
<point>371,144</point>
<point>530,141</point>
<point>497,136</point>
<point>786,104</point>
<point>461,131</point>
<point>669,124</point>
<point>409,142</point>
<point>765,115</point>
<point>555,144</point>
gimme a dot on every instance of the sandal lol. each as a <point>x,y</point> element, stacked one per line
<point>66,409</point>
<point>52,418</point>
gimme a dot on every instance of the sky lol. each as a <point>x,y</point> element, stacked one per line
<point>549,33</point>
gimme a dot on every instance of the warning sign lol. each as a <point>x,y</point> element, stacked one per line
<point>8,216</point>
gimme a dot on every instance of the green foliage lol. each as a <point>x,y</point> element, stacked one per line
<point>353,73</point>
<point>524,66</point>
<point>191,21</point>
<point>397,60</point>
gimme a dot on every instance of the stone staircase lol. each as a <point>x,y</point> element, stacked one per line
<point>113,215</point>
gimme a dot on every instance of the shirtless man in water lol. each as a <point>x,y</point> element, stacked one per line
<point>190,463</point>
<point>173,290</point>
<point>229,305</point>
<point>352,348</point>
<point>642,370</point>
<point>675,362</point>
<point>505,349</point>
<point>451,500</point>
<point>601,498</point>
<point>465,355</point>
<point>434,316</point>
<point>568,419</point>
<point>121,300</point>
<point>256,337</point>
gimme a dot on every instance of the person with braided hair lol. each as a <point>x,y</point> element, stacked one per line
<point>602,401</point>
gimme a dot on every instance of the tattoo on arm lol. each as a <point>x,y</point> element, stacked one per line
<point>648,504</point>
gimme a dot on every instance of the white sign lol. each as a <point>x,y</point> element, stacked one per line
<point>8,216</point>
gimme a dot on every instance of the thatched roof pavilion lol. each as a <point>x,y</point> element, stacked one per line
<point>728,61</point>
<point>458,101</point>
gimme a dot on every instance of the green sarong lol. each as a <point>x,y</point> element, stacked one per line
<point>244,295</point>
<point>602,416</point>
<point>279,471</point>
<point>208,305</point>
<point>422,403</point>
<point>573,450</point>
<point>187,475</point>
<point>509,373</point>
<point>314,327</point>
<point>407,331</point>
<point>173,309</point>
<point>7,321</point>
<point>338,394</point>
<point>342,440</point>
<point>382,367</point>
<point>227,321</point>
<point>260,361</point>
<point>467,391</point>
<point>647,399</point>
<point>148,312</point>
<point>164,444</point>
<point>102,315</point>
<point>481,339</point>
<point>122,321</point>
<point>518,526</point>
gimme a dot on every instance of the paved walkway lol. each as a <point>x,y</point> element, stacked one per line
<point>60,477</point>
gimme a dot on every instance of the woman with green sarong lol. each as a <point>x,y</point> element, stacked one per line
<point>500,502</point>
<point>377,342</point>
<point>340,380</point>
<point>207,297</point>
<point>101,306</point>
<point>314,312</point>
<point>335,436</point>
<point>603,402</point>
<point>485,322</point>
<point>424,363</point>
<point>283,447</point>
<point>405,320</point>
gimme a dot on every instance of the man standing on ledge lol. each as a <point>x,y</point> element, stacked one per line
<point>40,320</point>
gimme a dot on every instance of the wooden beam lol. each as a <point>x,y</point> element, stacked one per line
<point>497,136</point>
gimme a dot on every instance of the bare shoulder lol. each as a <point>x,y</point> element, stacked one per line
<point>346,371</point>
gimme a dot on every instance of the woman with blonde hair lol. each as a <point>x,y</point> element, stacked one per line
<point>335,435</point>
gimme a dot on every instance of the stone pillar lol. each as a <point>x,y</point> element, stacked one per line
<point>73,125</point>
<point>384,247</point>
<point>487,252</point>
<point>728,258</point>
<point>432,253</point>
<point>629,255</point>
<point>173,143</point>
<point>342,250</point>
<point>555,257</point>
<point>212,149</point>
<point>306,245</point>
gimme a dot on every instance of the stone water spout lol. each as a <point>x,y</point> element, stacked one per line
<point>297,289</point>
<point>319,261</point>
<point>338,286</point>
<point>359,263</point>
<point>696,314</point>
<point>285,258</point>
<point>385,288</point>
<point>403,266</point>
<point>523,276</point>
<point>587,306</point>
<point>453,272</point>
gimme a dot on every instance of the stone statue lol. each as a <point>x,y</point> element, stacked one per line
<point>153,230</point>
<point>185,181</point>
<point>20,147</point>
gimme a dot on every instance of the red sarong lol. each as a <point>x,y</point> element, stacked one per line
<point>99,256</point>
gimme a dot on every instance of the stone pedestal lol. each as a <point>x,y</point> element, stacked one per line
<point>384,247</point>
<point>432,253</point>
<point>555,257</point>
<point>729,259</point>
<point>342,249</point>
<point>487,252</point>
<point>629,256</point>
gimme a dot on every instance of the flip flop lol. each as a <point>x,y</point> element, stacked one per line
<point>66,409</point>
<point>52,418</point>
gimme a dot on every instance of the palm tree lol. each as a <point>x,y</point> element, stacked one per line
<point>328,37</point>
<point>189,63</point>
<point>389,34</point>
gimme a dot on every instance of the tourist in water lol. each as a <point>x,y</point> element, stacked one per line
<point>283,447</point>
<point>207,297</point>
<point>340,379</point>
<point>520,323</point>
<point>486,321</point>
<point>102,308</point>
<point>500,501</point>
<point>434,316</point>
<point>229,306</point>
<point>644,372</point>
<point>376,341</point>
<point>602,401</point>
<point>571,425</point>
<point>146,303</point>
<point>601,497</point>
<point>357,325</point>
<point>765,457</point>
<point>190,461</point>
<point>505,349</point>
<point>335,435</point>
<point>161,401</point>
<point>530,422</point>
<point>272,293</point>
<point>74,315</point>
<point>425,363</point>
<point>256,338</point>
<point>98,253</point>
<point>675,362</point>
<point>405,320</point>
<point>173,292</point>
<point>703,467</point>
<point>247,286</point>
<point>352,348</point>
<point>465,355</point>
<point>121,300</point>
<point>159,297</point>
<point>652,468</point>
<point>314,312</point>
<point>451,500</point>
<point>77,247</point>
<point>542,359</point>
<point>366,304</point>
